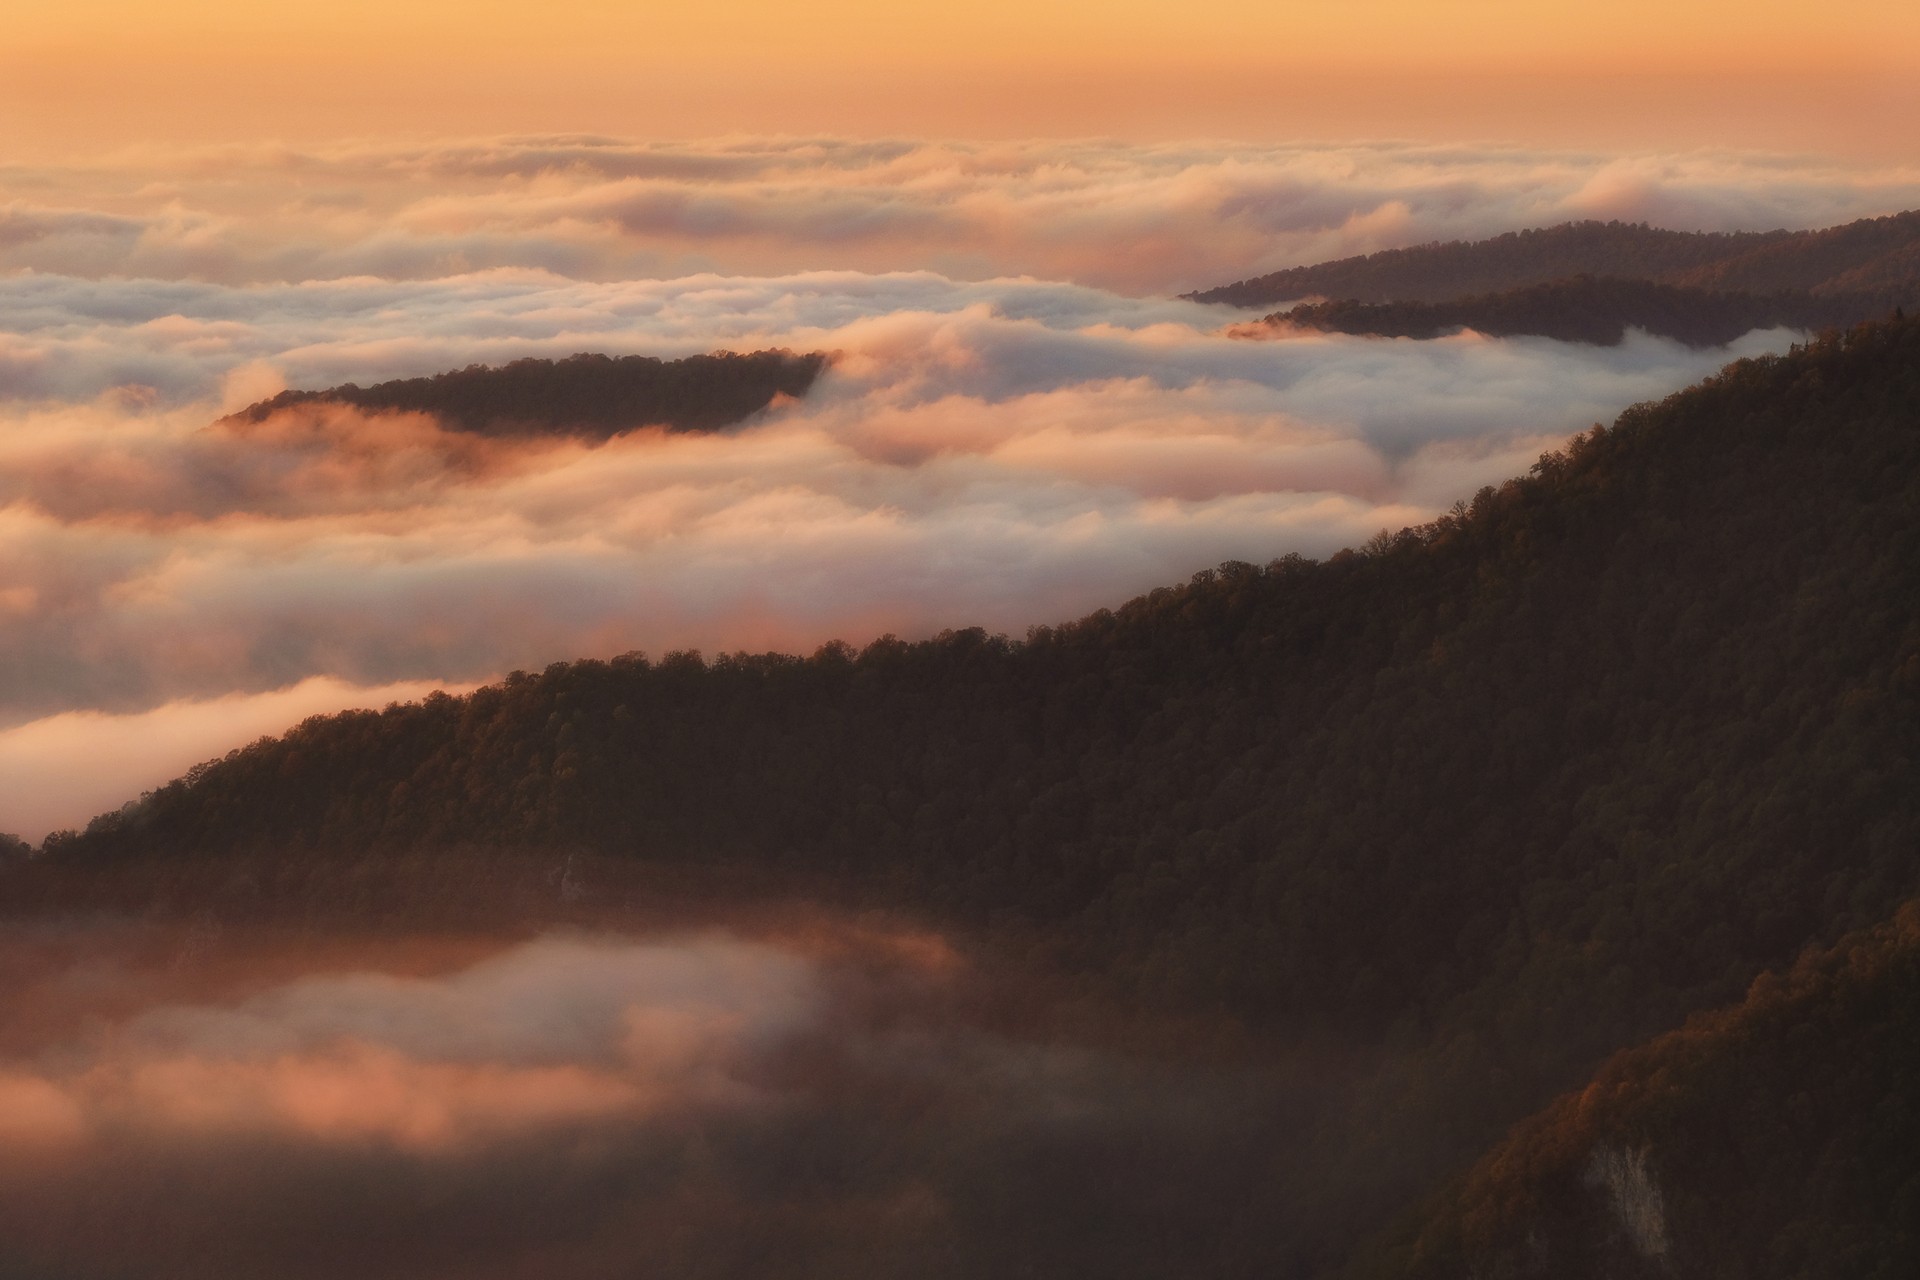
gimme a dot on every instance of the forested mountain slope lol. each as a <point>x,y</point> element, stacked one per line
<point>587,395</point>
<point>1580,757</point>
<point>1779,1138</point>
<point>1874,256</point>
<point>1593,309</point>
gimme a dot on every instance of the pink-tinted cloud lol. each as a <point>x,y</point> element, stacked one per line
<point>988,448</point>
<point>62,769</point>
<point>994,454</point>
<point>973,457</point>
<point>550,1035</point>
<point>820,1097</point>
<point>1139,218</point>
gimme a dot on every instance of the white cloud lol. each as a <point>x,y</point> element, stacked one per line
<point>990,448</point>
<point>64,768</point>
<point>1134,218</point>
<point>997,453</point>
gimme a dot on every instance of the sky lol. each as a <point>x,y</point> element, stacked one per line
<point>983,212</point>
<point>93,75</point>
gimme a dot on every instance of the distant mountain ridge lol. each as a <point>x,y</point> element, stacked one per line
<point>1592,309</point>
<point>584,395</point>
<point>1879,257</point>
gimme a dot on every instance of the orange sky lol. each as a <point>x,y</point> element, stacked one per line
<point>94,74</point>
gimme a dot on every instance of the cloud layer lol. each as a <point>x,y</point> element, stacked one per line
<point>989,447</point>
<point>845,1101</point>
<point>64,768</point>
<point>1136,218</point>
<point>550,1034</point>
<point>995,453</point>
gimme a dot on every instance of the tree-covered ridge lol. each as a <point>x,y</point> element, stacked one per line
<point>1878,256</point>
<point>1779,1138</point>
<point>1592,309</point>
<point>586,395</point>
<point>1874,256</point>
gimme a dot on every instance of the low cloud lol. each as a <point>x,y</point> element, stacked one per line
<point>839,1101</point>
<point>550,1034</point>
<point>64,768</point>
<point>1006,436</point>
<point>993,454</point>
<point>1135,218</point>
<point>997,453</point>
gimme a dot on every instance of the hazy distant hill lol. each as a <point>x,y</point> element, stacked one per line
<point>1589,309</point>
<point>1778,1138</point>
<point>1875,256</point>
<point>1493,798</point>
<point>594,396</point>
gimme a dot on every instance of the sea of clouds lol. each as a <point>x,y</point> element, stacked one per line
<point>1020,424</point>
<point>1134,218</point>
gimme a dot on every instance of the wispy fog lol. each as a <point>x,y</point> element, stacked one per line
<point>838,1101</point>
<point>550,1033</point>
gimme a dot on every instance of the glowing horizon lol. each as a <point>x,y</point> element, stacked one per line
<point>103,74</point>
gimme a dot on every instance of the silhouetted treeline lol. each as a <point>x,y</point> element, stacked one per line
<point>1592,309</point>
<point>593,396</point>
<point>1878,257</point>
<point>1502,794</point>
<point>1780,1138</point>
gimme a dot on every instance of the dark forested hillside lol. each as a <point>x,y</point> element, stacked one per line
<point>1495,796</point>
<point>1437,272</point>
<point>593,396</point>
<point>1779,1138</point>
<point>1875,256</point>
<point>1588,309</point>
